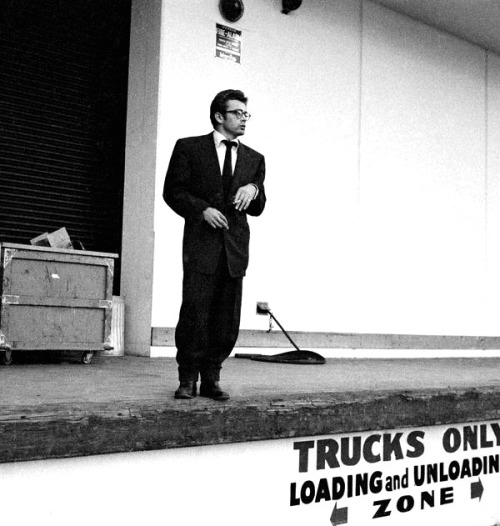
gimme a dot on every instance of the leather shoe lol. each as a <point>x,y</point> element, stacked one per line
<point>186,390</point>
<point>212,390</point>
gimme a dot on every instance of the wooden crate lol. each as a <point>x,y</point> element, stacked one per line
<point>55,299</point>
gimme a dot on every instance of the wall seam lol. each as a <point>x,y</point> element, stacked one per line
<point>486,177</point>
<point>360,102</point>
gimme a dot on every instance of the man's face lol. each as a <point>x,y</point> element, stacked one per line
<point>230,125</point>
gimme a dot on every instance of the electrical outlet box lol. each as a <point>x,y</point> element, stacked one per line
<point>262,307</point>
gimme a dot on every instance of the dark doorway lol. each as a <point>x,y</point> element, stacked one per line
<point>63,96</point>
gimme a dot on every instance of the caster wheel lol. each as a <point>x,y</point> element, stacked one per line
<point>7,358</point>
<point>87,357</point>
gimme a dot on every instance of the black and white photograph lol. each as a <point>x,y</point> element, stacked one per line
<point>249,262</point>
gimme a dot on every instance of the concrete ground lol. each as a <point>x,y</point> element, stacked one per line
<point>54,406</point>
<point>39,379</point>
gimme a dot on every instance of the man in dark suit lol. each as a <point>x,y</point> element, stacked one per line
<point>213,181</point>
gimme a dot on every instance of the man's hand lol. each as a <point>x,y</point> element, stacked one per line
<point>244,196</point>
<point>215,218</point>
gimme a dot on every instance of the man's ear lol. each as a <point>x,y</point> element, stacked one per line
<point>219,117</point>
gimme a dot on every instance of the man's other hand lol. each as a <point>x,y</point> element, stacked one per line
<point>244,196</point>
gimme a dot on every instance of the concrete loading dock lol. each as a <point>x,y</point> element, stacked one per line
<point>55,408</point>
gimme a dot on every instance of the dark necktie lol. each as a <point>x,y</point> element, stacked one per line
<point>227,169</point>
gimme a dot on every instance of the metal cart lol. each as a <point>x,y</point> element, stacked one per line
<point>55,299</point>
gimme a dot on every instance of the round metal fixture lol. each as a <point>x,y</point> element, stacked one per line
<point>290,5</point>
<point>231,10</point>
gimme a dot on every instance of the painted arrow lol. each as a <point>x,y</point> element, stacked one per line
<point>476,490</point>
<point>339,516</point>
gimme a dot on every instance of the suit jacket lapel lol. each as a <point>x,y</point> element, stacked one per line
<point>240,164</point>
<point>210,154</point>
<point>239,169</point>
<point>212,171</point>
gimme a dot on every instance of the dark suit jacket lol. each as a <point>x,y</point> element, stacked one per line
<point>193,183</point>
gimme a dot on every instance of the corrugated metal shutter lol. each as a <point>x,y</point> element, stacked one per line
<point>63,83</point>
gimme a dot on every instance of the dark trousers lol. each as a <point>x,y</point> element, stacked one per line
<point>209,322</point>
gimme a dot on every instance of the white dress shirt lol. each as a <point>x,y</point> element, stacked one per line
<point>221,153</point>
<point>221,149</point>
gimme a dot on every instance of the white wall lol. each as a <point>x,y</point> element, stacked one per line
<point>381,212</point>
<point>493,192</point>
<point>422,206</point>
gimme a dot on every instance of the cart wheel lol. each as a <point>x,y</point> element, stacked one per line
<point>7,358</point>
<point>87,357</point>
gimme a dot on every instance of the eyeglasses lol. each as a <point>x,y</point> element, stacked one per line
<point>240,113</point>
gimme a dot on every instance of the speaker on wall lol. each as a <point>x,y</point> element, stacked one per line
<point>231,10</point>
<point>290,5</point>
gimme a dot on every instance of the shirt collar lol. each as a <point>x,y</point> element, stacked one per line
<point>218,138</point>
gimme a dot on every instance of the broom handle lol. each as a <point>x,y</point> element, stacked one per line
<point>281,327</point>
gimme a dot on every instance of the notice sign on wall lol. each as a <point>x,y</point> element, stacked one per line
<point>228,43</point>
<point>399,477</point>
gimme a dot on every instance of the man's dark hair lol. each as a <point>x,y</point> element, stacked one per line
<point>219,104</point>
